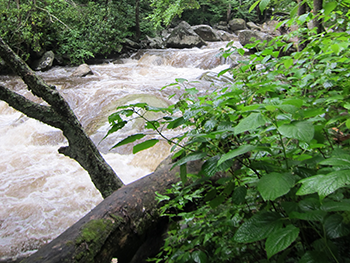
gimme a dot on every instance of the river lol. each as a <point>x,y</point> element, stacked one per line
<point>42,192</point>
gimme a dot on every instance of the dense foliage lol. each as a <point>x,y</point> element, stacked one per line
<point>75,31</point>
<point>278,137</point>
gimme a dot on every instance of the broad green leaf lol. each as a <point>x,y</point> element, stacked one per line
<point>294,11</point>
<point>250,123</point>
<point>152,125</point>
<point>280,240</point>
<point>258,227</point>
<point>263,4</point>
<point>288,63</point>
<point>144,145</point>
<point>333,206</point>
<point>347,123</point>
<point>239,194</point>
<point>335,227</point>
<point>314,257</point>
<point>129,139</point>
<point>176,123</point>
<point>295,102</point>
<point>324,184</point>
<point>335,48</point>
<point>183,173</point>
<point>329,7</point>
<point>343,160</point>
<point>274,185</point>
<point>288,108</point>
<point>316,215</point>
<point>300,130</point>
<point>199,256</point>
<point>115,127</point>
<point>217,201</point>
<point>236,152</point>
<point>211,167</point>
<point>190,157</point>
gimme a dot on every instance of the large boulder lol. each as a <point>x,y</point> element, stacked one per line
<point>206,33</point>
<point>245,36</point>
<point>237,24</point>
<point>45,62</point>
<point>183,36</point>
<point>82,71</point>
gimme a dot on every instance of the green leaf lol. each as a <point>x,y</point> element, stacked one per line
<point>335,227</point>
<point>316,215</point>
<point>181,80</point>
<point>295,102</point>
<point>347,123</point>
<point>294,11</point>
<point>190,157</point>
<point>274,185</point>
<point>211,167</point>
<point>129,139</point>
<point>183,173</point>
<point>280,240</point>
<point>258,227</point>
<point>288,63</point>
<point>314,257</point>
<point>199,256</point>
<point>329,7</point>
<point>115,127</point>
<point>217,201</point>
<point>144,145</point>
<point>239,194</point>
<point>300,130</point>
<point>176,123</point>
<point>253,6</point>
<point>324,184</point>
<point>250,123</point>
<point>263,4</point>
<point>236,152</point>
<point>343,160</point>
<point>333,206</point>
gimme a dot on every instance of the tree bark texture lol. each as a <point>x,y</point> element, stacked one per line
<point>118,226</point>
<point>317,22</point>
<point>59,115</point>
<point>137,20</point>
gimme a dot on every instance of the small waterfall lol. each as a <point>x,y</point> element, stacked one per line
<point>42,192</point>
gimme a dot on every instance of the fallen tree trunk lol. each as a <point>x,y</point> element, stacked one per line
<point>118,226</point>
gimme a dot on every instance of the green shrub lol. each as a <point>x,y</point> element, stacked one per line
<point>279,137</point>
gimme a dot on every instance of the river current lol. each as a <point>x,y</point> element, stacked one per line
<point>42,192</point>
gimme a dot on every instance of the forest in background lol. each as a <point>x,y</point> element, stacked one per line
<point>78,30</point>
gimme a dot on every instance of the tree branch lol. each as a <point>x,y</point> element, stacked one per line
<point>33,110</point>
<point>60,115</point>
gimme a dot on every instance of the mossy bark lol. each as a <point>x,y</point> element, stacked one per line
<point>58,114</point>
<point>118,226</point>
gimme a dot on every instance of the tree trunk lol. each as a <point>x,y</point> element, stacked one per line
<point>58,114</point>
<point>119,225</point>
<point>137,20</point>
<point>317,22</point>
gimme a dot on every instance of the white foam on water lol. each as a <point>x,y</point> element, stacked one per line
<point>42,192</point>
